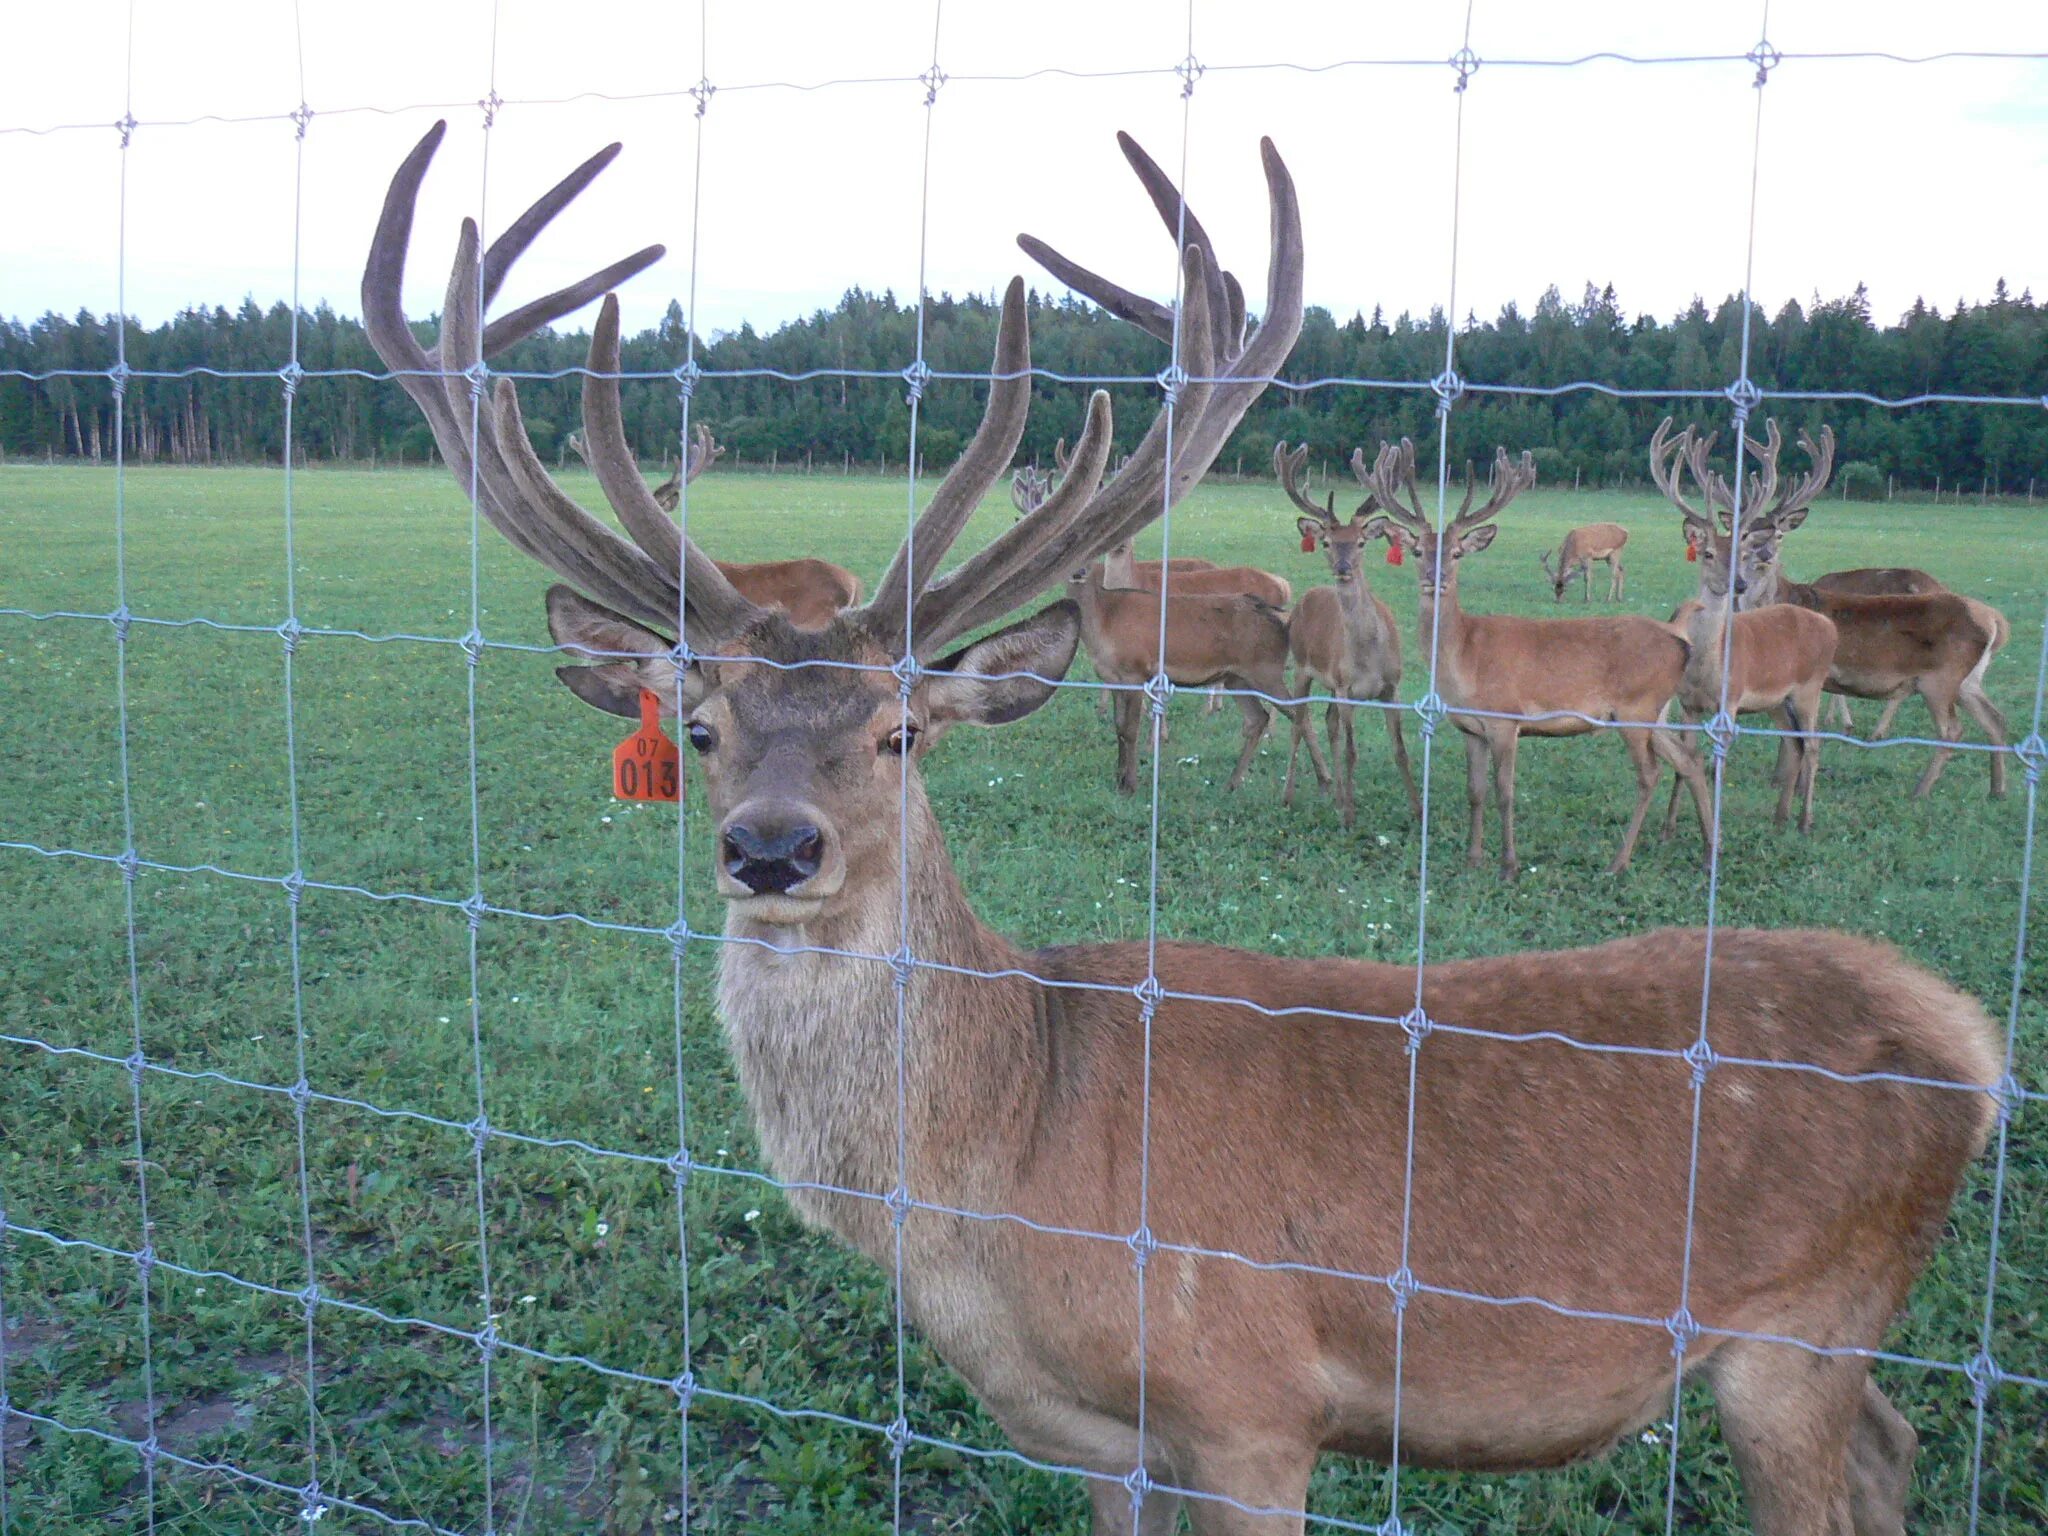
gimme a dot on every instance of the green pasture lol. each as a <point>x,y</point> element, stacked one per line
<point>579,1024</point>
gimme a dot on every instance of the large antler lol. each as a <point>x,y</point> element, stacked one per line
<point>1666,454</point>
<point>1287,466</point>
<point>698,457</point>
<point>1226,369</point>
<point>1789,508</point>
<point>1393,471</point>
<point>657,577</point>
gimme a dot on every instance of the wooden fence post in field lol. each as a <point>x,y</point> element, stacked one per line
<point>1576,472</point>
<point>1888,487</point>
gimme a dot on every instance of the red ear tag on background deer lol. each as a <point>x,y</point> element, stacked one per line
<point>1395,554</point>
<point>1308,543</point>
<point>646,765</point>
<point>1692,551</point>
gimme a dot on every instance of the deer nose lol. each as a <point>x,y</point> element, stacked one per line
<point>772,859</point>
<point>1741,585</point>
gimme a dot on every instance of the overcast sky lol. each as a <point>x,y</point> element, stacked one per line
<point>1915,179</point>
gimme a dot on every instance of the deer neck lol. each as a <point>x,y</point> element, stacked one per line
<point>1120,569</point>
<point>815,1039</point>
<point>1441,621</point>
<point>1705,635</point>
<point>1361,614</point>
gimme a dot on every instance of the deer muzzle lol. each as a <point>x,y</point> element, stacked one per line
<point>771,852</point>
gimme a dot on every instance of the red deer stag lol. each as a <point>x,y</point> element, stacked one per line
<point>809,590</point>
<point>1573,672</point>
<point>1535,1169</point>
<point>1774,660</point>
<point>1936,644</point>
<point>1874,581</point>
<point>1343,637</point>
<point>1583,548</point>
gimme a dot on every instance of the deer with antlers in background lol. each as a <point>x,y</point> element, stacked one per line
<point>1583,548</point>
<point>808,589</point>
<point>1935,644</point>
<point>1775,660</point>
<point>1273,1147</point>
<point>1343,637</point>
<point>1571,673</point>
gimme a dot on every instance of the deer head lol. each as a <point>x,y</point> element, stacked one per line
<point>1405,523</point>
<point>1747,566</point>
<point>1341,542</point>
<point>802,734</point>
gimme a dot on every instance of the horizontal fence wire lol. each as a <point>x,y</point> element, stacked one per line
<point>315,1499</point>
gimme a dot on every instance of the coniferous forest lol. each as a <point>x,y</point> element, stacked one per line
<point>1997,347</point>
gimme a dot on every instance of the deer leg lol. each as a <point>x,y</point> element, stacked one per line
<point>1400,740</point>
<point>1110,1512</point>
<point>1256,720</point>
<point>1791,762</point>
<point>1686,764</point>
<point>1475,796</point>
<point>1128,705</point>
<point>1941,703</point>
<point>1347,775</point>
<point>1617,581</point>
<point>1985,713</point>
<point>1504,794</point>
<point>1333,727</point>
<point>1250,1477</point>
<point>1809,765</point>
<point>1838,712</point>
<point>1293,751</point>
<point>1670,828</point>
<point>1586,582</point>
<point>1215,704</point>
<point>1881,1450</point>
<point>1884,720</point>
<point>1643,756</point>
<point>1788,1417</point>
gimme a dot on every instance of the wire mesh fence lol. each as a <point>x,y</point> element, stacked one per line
<point>477,1134</point>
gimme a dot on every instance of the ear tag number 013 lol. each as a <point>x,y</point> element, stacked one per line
<point>646,765</point>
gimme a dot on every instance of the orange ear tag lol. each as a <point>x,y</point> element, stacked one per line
<point>646,765</point>
<point>1308,543</point>
<point>1692,551</point>
<point>1395,554</point>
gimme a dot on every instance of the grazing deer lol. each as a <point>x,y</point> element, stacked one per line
<point>809,590</point>
<point>981,1077</point>
<point>1777,659</point>
<point>1936,644</point>
<point>1343,637</point>
<point>1576,671</point>
<point>1874,581</point>
<point>1582,549</point>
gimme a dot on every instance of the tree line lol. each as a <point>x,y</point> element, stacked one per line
<point>1995,347</point>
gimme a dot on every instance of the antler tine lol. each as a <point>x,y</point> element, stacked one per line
<point>1060,458</point>
<point>1762,483</point>
<point>709,598</point>
<point>1022,489</point>
<point>1393,465</point>
<point>993,445</point>
<point>1666,453</point>
<point>704,450</point>
<point>1505,480</point>
<point>1712,484</point>
<point>1287,466</point>
<point>1821,463</point>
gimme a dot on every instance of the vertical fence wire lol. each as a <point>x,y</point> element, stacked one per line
<point>130,869</point>
<point>478,373</point>
<point>686,388</point>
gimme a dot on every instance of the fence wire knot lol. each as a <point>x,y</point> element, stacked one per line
<point>289,376</point>
<point>474,909</point>
<point>289,632</point>
<point>685,1389</point>
<point>1172,380</point>
<point>126,126</point>
<point>300,1093</point>
<point>1448,388</point>
<point>1392,1526</point>
<point>897,1204</point>
<point>312,1503</point>
<point>901,963</point>
<point>1745,397</point>
<point>302,117</point>
<point>678,934</point>
<point>2033,756</point>
<point>1429,709</point>
<point>149,1450</point>
<point>687,376</point>
<point>1766,58</point>
<point>1720,732</point>
<point>479,375</point>
<point>121,618</point>
<point>479,1132</point>
<point>702,92</point>
<point>1137,1483</point>
<point>1403,1284</point>
<point>916,376</point>
<point>487,1338</point>
<point>1983,1374</point>
<point>1190,69</point>
<point>680,1164</point>
<point>1158,689</point>
<point>1683,1330</point>
<point>489,106</point>
<point>1416,1026</point>
<point>1701,1058</point>
<point>1142,1245</point>
<point>906,672</point>
<point>309,1301</point>
<point>1466,63</point>
<point>117,378</point>
<point>145,1261</point>
<point>129,863</point>
<point>931,80</point>
<point>473,646</point>
<point>897,1433</point>
<point>2006,1096</point>
<point>1148,993</point>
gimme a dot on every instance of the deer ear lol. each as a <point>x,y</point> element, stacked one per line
<point>640,659</point>
<point>1311,527</point>
<point>1473,542</point>
<point>1006,675</point>
<point>1382,527</point>
<point>1791,520</point>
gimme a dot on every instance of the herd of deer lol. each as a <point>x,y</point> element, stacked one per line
<point>1297,1144</point>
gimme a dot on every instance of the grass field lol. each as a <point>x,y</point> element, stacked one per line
<point>578,1023</point>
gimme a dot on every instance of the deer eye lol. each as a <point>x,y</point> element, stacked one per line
<point>702,737</point>
<point>900,740</point>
